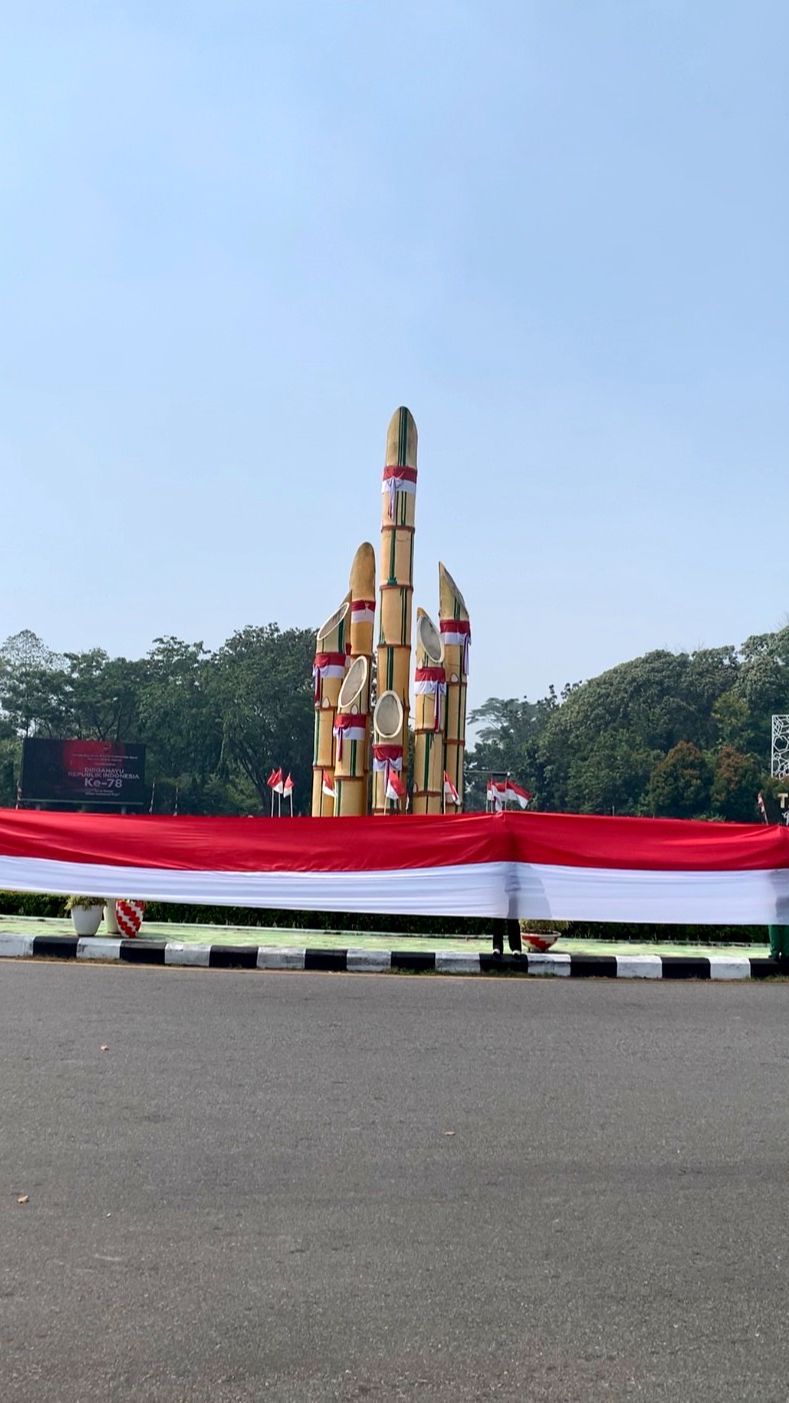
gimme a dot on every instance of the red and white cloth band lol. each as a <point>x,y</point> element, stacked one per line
<point>456,633</point>
<point>328,665</point>
<point>397,479</point>
<point>363,611</point>
<point>387,757</point>
<point>546,866</point>
<point>431,681</point>
<point>349,727</point>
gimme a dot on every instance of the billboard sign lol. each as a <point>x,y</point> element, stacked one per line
<point>83,772</point>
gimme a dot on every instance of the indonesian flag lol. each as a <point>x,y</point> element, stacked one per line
<point>450,793</point>
<point>397,479</point>
<point>456,633</point>
<point>395,789</point>
<point>506,791</point>
<point>348,727</point>
<point>532,865</point>
<point>276,782</point>
<point>327,784</point>
<point>363,611</point>
<point>288,786</point>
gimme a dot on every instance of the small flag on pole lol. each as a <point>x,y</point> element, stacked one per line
<point>451,795</point>
<point>505,791</point>
<point>762,807</point>
<point>287,790</point>
<point>327,784</point>
<point>276,784</point>
<point>395,789</point>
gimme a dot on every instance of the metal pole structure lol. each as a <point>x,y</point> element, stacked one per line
<point>398,516</point>
<point>328,670</point>
<point>456,636</point>
<point>430,689</point>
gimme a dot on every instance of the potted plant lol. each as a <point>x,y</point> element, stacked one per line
<point>86,913</point>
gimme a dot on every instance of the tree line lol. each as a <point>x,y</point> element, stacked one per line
<point>676,735</point>
<point>683,735</point>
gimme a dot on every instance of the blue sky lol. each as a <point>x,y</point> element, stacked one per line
<point>235,237</point>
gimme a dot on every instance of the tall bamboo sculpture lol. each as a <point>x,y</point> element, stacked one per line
<point>429,717</point>
<point>398,515</point>
<point>456,637</point>
<point>388,731</point>
<point>362,583</point>
<point>352,742</point>
<point>328,670</point>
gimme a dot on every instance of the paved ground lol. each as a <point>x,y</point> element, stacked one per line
<point>255,1194</point>
<point>262,935</point>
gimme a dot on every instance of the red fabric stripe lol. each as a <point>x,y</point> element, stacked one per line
<point>430,674</point>
<point>331,659</point>
<point>414,841</point>
<point>455,626</point>
<point>407,474</point>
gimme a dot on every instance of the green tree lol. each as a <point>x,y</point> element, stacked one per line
<point>679,786</point>
<point>262,687</point>
<point>736,782</point>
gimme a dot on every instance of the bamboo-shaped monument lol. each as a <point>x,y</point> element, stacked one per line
<point>398,517</point>
<point>349,741</point>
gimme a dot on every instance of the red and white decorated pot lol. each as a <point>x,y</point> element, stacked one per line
<point>129,916</point>
<point>539,943</point>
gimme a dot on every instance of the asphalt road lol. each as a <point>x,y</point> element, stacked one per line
<point>254,1192</point>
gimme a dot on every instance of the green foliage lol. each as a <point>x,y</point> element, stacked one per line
<point>215,724</point>
<point>685,735</point>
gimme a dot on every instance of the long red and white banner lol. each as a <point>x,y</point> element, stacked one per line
<point>547,866</point>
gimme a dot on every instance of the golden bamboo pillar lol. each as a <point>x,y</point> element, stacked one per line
<point>328,670</point>
<point>430,688</point>
<point>362,583</point>
<point>398,515</point>
<point>455,636</point>
<point>352,740</point>
<point>388,731</point>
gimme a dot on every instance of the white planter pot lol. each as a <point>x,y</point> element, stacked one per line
<point>86,919</point>
<point>110,920</point>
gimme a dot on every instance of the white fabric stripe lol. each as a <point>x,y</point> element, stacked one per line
<point>177,954</point>
<point>15,947</point>
<point>93,947</point>
<point>476,889</point>
<point>639,967</point>
<point>666,898</point>
<point>402,484</point>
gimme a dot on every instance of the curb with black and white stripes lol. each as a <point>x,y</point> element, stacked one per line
<point>267,957</point>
